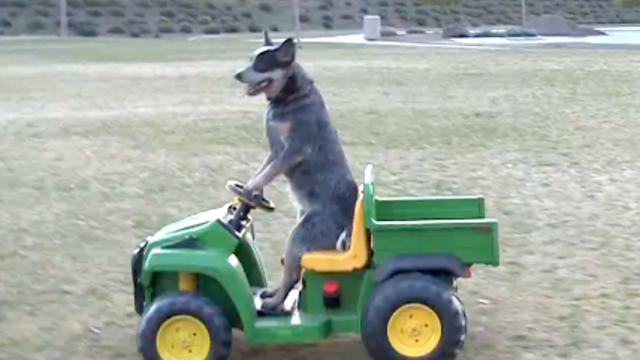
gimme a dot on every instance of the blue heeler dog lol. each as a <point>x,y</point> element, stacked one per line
<point>305,148</point>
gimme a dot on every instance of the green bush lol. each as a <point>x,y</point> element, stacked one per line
<point>383,3</point>
<point>116,30</point>
<point>36,25</point>
<point>416,31</point>
<point>210,30</point>
<point>187,4</point>
<point>145,4</point>
<point>231,28</point>
<point>388,32</point>
<point>401,10</point>
<point>139,14</point>
<point>403,17</point>
<point>95,12</point>
<point>166,28</point>
<point>323,7</point>
<point>5,23</point>
<point>327,25</point>
<point>266,7</point>
<point>47,3</point>
<point>74,4</point>
<point>168,13</point>
<point>211,6</point>
<point>364,10</point>
<point>96,3</point>
<point>162,3</point>
<point>204,20</point>
<point>228,7</point>
<point>42,12</point>
<point>246,14</point>
<point>212,15</point>
<point>193,14</point>
<point>327,18</point>
<point>348,3</point>
<point>254,28</point>
<point>420,21</point>
<point>185,20</point>
<point>304,18</point>
<point>274,28</point>
<point>346,17</point>
<point>186,28</point>
<point>17,3</point>
<point>422,12</point>
<point>401,4</point>
<point>86,28</point>
<point>119,13</point>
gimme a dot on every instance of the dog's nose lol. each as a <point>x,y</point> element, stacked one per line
<point>238,75</point>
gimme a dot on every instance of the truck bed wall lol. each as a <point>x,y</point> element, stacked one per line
<point>429,208</point>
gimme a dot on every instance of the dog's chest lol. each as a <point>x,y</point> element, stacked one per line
<point>279,130</point>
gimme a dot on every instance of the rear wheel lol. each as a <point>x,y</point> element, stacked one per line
<point>184,326</point>
<point>414,316</point>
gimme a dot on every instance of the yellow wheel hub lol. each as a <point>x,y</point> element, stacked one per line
<point>183,337</point>
<point>414,330</point>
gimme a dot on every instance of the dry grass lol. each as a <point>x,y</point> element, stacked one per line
<point>103,141</point>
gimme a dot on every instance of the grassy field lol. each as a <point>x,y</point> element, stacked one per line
<point>104,141</point>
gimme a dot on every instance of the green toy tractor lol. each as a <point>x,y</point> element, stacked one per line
<point>198,278</point>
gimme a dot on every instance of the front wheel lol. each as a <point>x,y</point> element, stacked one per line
<point>414,317</point>
<point>184,326</point>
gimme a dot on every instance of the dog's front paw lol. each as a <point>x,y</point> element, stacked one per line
<point>267,293</point>
<point>272,306</point>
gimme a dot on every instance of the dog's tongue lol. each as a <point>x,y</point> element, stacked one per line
<point>252,90</point>
<point>257,88</point>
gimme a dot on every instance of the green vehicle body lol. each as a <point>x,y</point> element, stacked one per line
<point>229,270</point>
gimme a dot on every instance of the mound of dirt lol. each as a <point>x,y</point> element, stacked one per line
<point>555,25</point>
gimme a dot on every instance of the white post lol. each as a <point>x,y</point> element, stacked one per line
<point>371,27</point>
<point>64,28</point>
<point>524,12</point>
<point>296,14</point>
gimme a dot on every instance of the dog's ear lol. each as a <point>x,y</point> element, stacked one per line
<point>286,52</point>
<point>267,39</point>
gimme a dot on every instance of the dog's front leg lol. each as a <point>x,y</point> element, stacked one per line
<point>290,157</point>
<point>267,161</point>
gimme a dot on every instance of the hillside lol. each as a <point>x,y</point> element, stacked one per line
<point>164,17</point>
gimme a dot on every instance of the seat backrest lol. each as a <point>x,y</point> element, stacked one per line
<point>360,246</point>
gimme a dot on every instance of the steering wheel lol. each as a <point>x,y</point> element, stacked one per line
<point>255,200</point>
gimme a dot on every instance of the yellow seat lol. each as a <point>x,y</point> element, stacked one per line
<point>355,258</point>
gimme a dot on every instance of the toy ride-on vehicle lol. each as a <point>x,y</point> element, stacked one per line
<point>196,279</point>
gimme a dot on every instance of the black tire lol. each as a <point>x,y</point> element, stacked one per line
<point>413,288</point>
<point>185,304</point>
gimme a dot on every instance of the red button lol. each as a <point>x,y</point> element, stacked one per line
<point>331,288</point>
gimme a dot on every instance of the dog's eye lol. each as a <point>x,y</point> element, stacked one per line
<point>265,61</point>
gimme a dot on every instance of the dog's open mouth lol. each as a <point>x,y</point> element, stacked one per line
<point>259,87</point>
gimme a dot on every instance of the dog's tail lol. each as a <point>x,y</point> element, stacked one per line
<point>344,240</point>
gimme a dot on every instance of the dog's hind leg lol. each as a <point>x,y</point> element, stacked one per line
<point>316,230</point>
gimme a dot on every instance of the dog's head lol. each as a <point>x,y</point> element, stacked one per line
<point>269,67</point>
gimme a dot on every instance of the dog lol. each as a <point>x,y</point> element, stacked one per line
<point>306,149</point>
